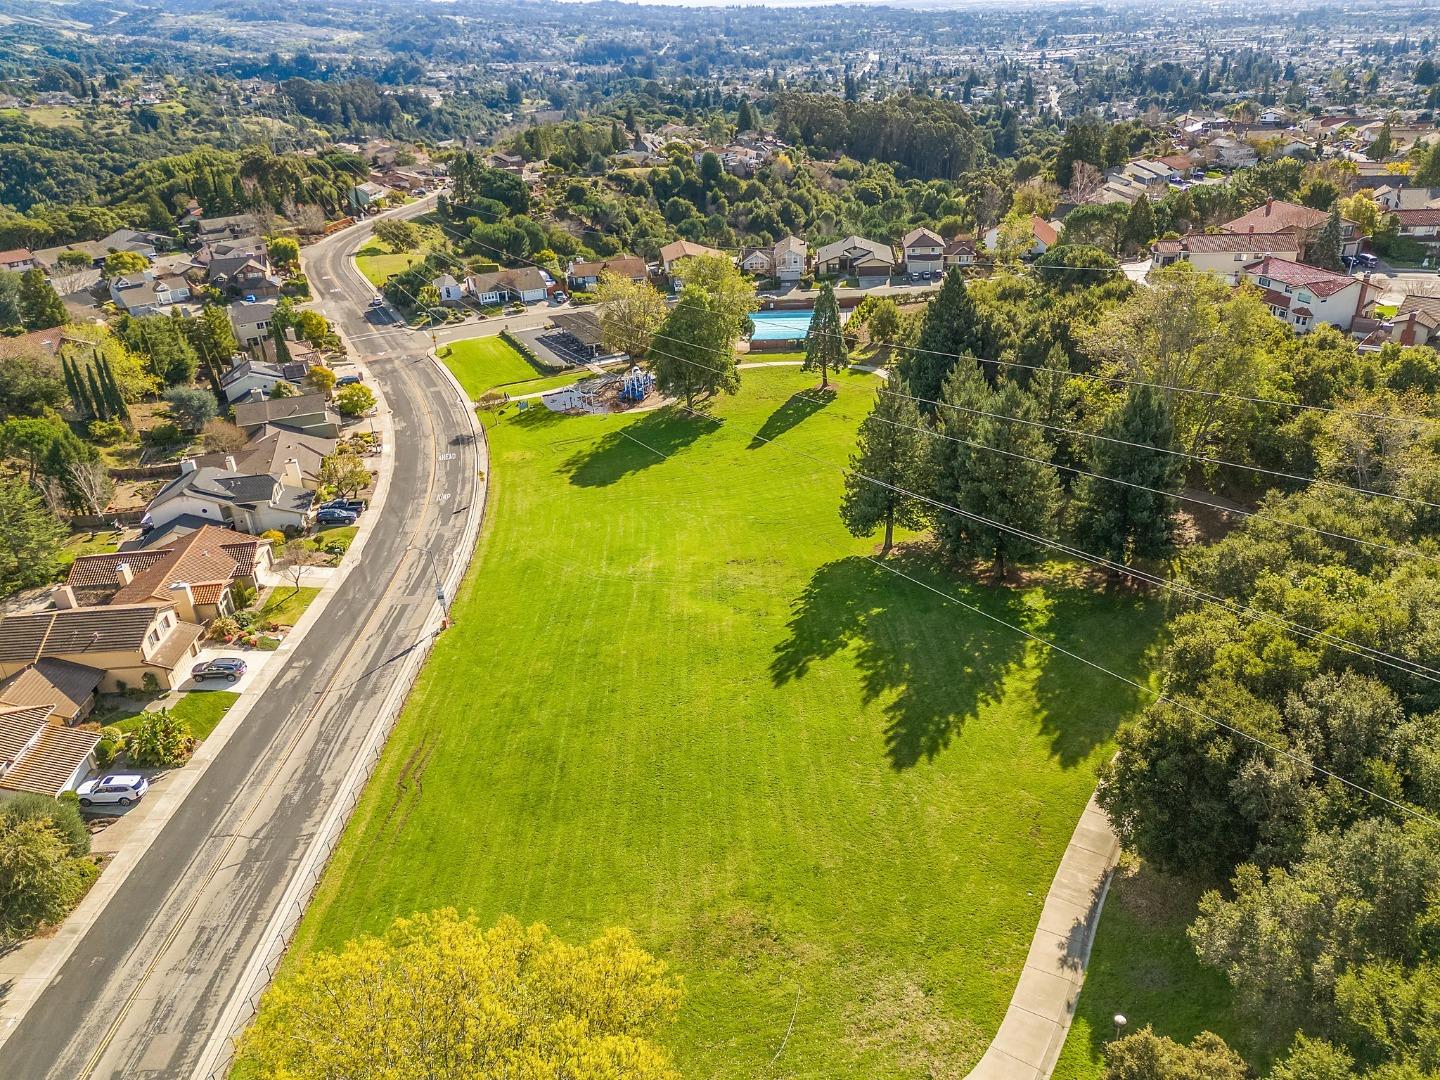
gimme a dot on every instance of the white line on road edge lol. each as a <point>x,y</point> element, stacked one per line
<point>219,1049</point>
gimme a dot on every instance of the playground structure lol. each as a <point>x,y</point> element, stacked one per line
<point>603,393</point>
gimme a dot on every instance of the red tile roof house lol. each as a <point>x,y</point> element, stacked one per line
<point>1275,215</point>
<point>39,755</point>
<point>1303,296</point>
<point>1225,254</point>
<point>17,261</point>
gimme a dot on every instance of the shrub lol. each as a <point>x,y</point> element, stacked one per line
<point>166,434</point>
<point>112,741</point>
<point>223,628</point>
<point>149,683</point>
<point>62,815</point>
<point>161,741</point>
<point>354,400</point>
<point>39,879</point>
<point>244,595</point>
<point>274,537</point>
<point>105,432</point>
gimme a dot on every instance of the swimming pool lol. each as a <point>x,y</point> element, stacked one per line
<point>780,325</point>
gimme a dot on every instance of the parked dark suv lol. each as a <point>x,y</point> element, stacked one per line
<point>228,668</point>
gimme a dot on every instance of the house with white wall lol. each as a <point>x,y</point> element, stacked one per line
<point>1303,296</point>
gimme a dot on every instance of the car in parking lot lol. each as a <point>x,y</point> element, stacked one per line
<point>228,668</point>
<point>112,790</point>
<point>332,516</point>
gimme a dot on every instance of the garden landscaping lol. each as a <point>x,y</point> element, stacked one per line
<point>678,697</point>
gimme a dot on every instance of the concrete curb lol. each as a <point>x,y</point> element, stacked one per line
<point>1033,1032</point>
<point>176,785</point>
<point>215,1060</point>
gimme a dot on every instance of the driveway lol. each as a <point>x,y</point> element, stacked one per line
<point>256,660</point>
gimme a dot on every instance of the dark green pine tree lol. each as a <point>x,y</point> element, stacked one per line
<point>887,463</point>
<point>1003,482</point>
<point>825,341</point>
<point>1140,225</point>
<point>746,120</point>
<point>1121,521</point>
<point>282,350</point>
<point>1325,252</point>
<point>950,330</point>
<point>99,398</point>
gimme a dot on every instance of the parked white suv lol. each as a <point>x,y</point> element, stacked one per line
<point>108,790</point>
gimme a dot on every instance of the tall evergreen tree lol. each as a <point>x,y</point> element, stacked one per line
<point>888,456</point>
<point>1325,252</point>
<point>99,396</point>
<point>1117,520</point>
<point>282,348</point>
<point>40,305</point>
<point>999,480</point>
<point>1140,224</point>
<point>825,346</point>
<point>950,330</point>
<point>78,396</point>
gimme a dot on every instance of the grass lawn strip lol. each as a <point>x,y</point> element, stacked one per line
<point>378,264</point>
<point>675,698</point>
<point>483,363</point>
<point>286,603</point>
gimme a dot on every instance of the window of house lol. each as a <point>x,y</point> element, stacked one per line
<point>1264,282</point>
<point>1304,297</point>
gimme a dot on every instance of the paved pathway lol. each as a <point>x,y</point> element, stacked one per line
<point>1033,1032</point>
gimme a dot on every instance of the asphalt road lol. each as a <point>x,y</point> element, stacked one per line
<point>143,989</point>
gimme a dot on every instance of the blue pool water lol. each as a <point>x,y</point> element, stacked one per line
<point>780,325</point>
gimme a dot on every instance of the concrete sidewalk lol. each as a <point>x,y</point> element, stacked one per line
<point>1033,1032</point>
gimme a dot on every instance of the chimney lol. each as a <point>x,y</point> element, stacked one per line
<point>64,598</point>
<point>1252,229</point>
<point>291,474</point>
<point>229,462</point>
<point>124,574</point>
<point>1269,205</point>
<point>187,466</point>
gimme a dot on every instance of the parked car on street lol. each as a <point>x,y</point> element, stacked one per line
<point>352,506</point>
<point>228,668</point>
<point>377,301</point>
<point>112,790</point>
<point>348,380</point>
<point>332,516</point>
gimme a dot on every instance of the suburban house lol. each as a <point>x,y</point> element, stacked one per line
<point>959,252</point>
<point>1417,321</point>
<point>68,689</point>
<point>254,379</point>
<point>670,254</point>
<point>146,244</point>
<point>251,321</point>
<point>249,502</point>
<point>924,251</point>
<point>1229,152</point>
<point>586,275</point>
<point>450,290</point>
<point>1275,216</point>
<point>17,260</point>
<point>146,293</point>
<point>39,754</point>
<point>1421,226</point>
<point>1397,197</point>
<point>869,260</point>
<point>270,450</point>
<point>1141,177</point>
<point>527,284</point>
<point>1303,295</point>
<point>1043,236</point>
<point>243,274</point>
<point>786,260</point>
<point>1225,254</point>
<point>364,196</point>
<point>195,572</point>
<point>308,414</point>
<point>232,227</point>
<point>125,641</point>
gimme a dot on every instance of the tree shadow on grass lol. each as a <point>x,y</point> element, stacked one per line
<point>940,662</point>
<point>1081,708</point>
<point>635,446</point>
<point>798,408</point>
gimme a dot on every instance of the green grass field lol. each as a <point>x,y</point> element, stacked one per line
<point>483,363</point>
<point>286,604</point>
<point>1142,965</point>
<point>379,264</point>
<point>678,697</point>
<point>203,711</point>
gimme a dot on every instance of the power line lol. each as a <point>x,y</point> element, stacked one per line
<point>1412,667</point>
<point>1158,695</point>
